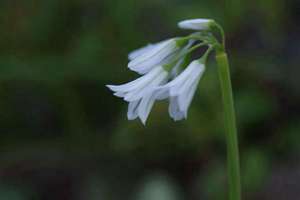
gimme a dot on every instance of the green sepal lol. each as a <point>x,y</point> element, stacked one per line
<point>180,42</point>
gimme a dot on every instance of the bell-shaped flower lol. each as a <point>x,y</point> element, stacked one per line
<point>141,93</point>
<point>144,59</point>
<point>196,24</point>
<point>181,90</point>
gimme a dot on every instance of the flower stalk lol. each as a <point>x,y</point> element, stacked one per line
<point>233,164</point>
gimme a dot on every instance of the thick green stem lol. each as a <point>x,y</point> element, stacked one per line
<point>230,125</point>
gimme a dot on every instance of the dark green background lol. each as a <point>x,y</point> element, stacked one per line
<point>64,136</point>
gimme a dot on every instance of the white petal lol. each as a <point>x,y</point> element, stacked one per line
<point>149,54</point>
<point>140,82</point>
<point>174,110</point>
<point>136,53</point>
<point>120,94</point>
<point>187,83</point>
<point>145,107</point>
<point>183,75</point>
<point>143,50</point>
<point>133,110</point>
<point>187,94</point>
<point>149,64</point>
<point>183,80</point>
<point>161,94</point>
<point>148,60</point>
<point>149,87</point>
<point>185,99</point>
<point>195,24</point>
<point>127,86</point>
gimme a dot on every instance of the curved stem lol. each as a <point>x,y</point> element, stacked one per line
<point>222,33</point>
<point>230,125</point>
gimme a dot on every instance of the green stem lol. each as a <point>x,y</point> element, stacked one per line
<point>230,125</point>
<point>222,33</point>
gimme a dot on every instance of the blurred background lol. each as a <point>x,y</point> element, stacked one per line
<point>64,136</point>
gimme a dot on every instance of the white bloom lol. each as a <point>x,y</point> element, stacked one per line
<point>196,24</point>
<point>151,56</point>
<point>182,89</point>
<point>140,93</point>
<point>138,52</point>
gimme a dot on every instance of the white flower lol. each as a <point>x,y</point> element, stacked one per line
<point>144,59</point>
<point>182,89</point>
<point>140,93</point>
<point>138,52</point>
<point>196,24</point>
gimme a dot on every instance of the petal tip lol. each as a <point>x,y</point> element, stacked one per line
<point>109,87</point>
<point>143,120</point>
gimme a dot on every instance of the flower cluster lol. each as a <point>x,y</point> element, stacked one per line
<point>165,73</point>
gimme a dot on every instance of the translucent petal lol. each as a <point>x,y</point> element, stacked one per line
<point>140,82</point>
<point>138,52</point>
<point>174,110</point>
<point>145,107</point>
<point>133,110</point>
<point>147,88</point>
<point>120,94</point>
<point>183,76</point>
<point>153,57</point>
<point>187,84</point>
<point>185,99</point>
<point>161,94</point>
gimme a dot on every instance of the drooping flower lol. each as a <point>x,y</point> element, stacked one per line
<point>141,93</point>
<point>181,90</point>
<point>144,59</point>
<point>160,65</point>
<point>196,24</point>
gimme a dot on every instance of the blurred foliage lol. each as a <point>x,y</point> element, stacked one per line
<point>64,136</point>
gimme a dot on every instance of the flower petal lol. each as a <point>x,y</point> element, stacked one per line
<point>147,88</point>
<point>145,62</point>
<point>187,84</point>
<point>136,53</point>
<point>185,99</point>
<point>161,94</point>
<point>140,82</point>
<point>195,24</point>
<point>174,110</point>
<point>120,94</point>
<point>143,50</point>
<point>183,76</point>
<point>133,110</point>
<point>145,107</point>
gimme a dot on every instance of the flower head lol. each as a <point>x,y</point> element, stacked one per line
<point>140,93</point>
<point>196,24</point>
<point>160,65</point>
